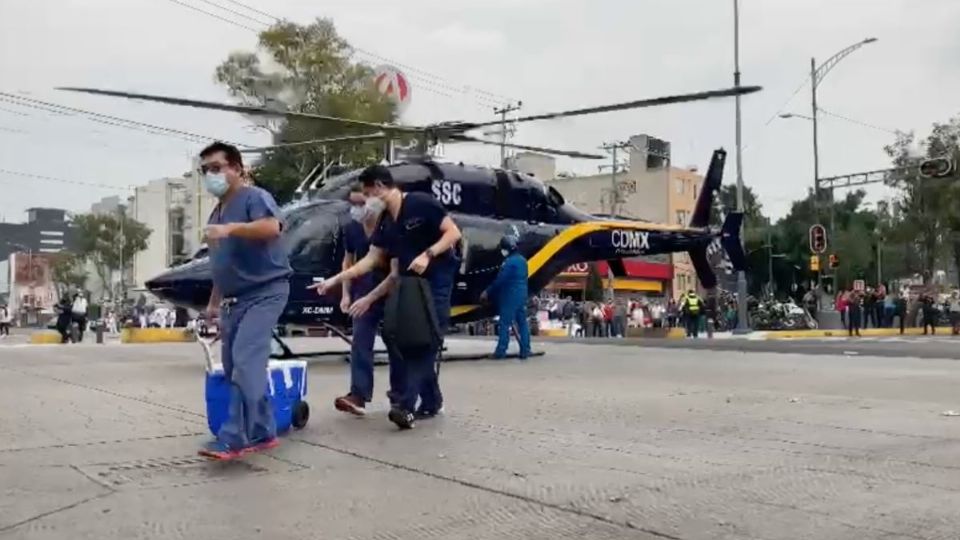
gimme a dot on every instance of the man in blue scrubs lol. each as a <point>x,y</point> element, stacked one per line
<point>416,230</point>
<point>250,289</point>
<point>509,292</point>
<point>362,299</point>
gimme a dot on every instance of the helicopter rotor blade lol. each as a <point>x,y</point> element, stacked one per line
<point>244,109</point>
<point>313,142</point>
<point>568,153</point>
<point>639,104</point>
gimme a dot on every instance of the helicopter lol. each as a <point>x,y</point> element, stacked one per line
<point>485,203</point>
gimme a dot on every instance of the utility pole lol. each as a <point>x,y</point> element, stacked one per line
<point>503,112</point>
<point>123,244</point>
<point>614,187</point>
<point>744,325</point>
<point>614,200</point>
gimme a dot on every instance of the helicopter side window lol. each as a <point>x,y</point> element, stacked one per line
<point>502,199</point>
<point>520,200</point>
<point>314,240</point>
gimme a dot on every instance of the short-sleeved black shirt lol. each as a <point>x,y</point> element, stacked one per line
<point>416,228</point>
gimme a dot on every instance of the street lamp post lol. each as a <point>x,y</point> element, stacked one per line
<point>816,77</point>
<point>743,326</point>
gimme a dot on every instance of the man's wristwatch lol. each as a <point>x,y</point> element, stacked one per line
<point>429,253</point>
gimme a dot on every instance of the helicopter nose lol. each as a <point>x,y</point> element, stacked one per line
<point>187,285</point>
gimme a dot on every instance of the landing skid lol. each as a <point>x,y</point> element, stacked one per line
<point>485,356</point>
<point>287,354</point>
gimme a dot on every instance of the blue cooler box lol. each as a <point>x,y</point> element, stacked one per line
<point>287,391</point>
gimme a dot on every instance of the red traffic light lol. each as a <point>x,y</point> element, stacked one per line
<point>818,238</point>
<point>936,168</point>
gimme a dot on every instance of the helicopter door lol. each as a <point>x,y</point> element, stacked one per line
<point>503,195</point>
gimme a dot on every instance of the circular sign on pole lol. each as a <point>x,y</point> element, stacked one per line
<point>394,85</point>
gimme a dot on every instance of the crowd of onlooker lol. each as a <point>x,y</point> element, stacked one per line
<point>878,308</point>
<point>613,318</point>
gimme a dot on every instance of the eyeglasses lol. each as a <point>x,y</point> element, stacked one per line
<point>212,167</point>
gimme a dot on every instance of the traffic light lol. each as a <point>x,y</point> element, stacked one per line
<point>936,168</point>
<point>814,263</point>
<point>834,261</point>
<point>818,238</point>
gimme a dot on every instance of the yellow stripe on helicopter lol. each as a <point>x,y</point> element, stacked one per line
<point>570,235</point>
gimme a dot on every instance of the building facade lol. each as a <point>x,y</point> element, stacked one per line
<point>645,187</point>
<point>47,230</point>
<point>176,211</point>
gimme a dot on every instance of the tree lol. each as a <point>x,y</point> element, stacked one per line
<point>726,202</point>
<point>927,208</point>
<point>107,239</point>
<point>68,273</point>
<point>305,69</point>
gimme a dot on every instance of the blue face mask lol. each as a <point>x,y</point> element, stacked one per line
<point>216,184</point>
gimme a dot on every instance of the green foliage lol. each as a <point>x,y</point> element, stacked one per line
<point>68,273</point>
<point>925,215</point>
<point>726,202</point>
<point>106,239</point>
<point>306,69</point>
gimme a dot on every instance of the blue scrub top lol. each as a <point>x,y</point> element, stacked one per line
<point>240,265</point>
<point>416,228</point>
<point>355,241</point>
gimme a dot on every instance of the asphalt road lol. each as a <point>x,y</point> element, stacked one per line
<point>943,347</point>
<point>588,442</point>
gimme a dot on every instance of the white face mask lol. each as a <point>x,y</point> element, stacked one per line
<point>358,212</point>
<point>375,206</point>
<point>504,252</point>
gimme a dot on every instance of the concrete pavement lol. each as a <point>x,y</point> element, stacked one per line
<point>590,441</point>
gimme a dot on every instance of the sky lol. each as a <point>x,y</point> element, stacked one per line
<point>463,59</point>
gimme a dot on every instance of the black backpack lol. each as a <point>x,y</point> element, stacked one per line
<point>410,318</point>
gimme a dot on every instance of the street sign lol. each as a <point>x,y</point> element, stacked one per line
<point>818,238</point>
<point>859,285</point>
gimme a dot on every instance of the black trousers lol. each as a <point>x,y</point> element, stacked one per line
<point>853,321</point>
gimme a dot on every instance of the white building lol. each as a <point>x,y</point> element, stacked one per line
<point>176,211</point>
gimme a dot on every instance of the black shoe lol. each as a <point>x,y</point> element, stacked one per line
<point>402,418</point>
<point>426,414</point>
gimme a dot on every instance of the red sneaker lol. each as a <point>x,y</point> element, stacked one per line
<point>219,451</point>
<point>350,404</point>
<point>263,446</point>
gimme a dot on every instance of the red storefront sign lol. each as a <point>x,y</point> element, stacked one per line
<point>635,269</point>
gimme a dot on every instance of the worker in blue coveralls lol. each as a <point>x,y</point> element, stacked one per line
<point>509,293</point>
<point>250,288</point>
<point>416,230</point>
<point>362,299</point>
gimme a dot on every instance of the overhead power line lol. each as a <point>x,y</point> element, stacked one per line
<point>253,9</point>
<point>107,119</point>
<point>214,15</point>
<point>44,178</point>
<point>237,13</point>
<point>485,98</point>
<point>62,180</point>
<point>789,99</point>
<point>858,122</point>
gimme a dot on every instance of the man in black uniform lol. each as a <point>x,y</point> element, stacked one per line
<point>416,230</point>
